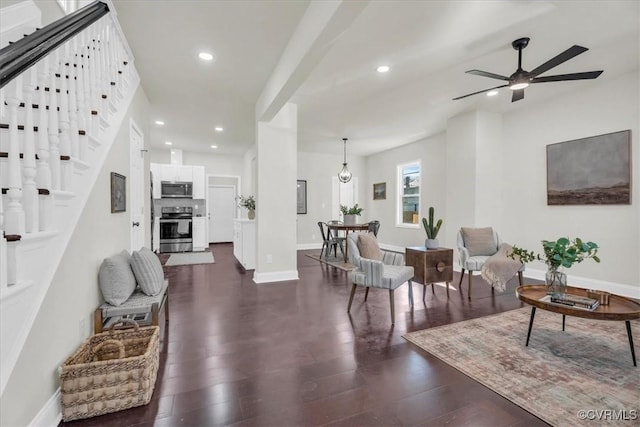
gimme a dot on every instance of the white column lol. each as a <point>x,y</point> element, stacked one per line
<point>277,151</point>
<point>29,190</point>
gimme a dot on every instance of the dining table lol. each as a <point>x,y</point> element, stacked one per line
<point>347,228</point>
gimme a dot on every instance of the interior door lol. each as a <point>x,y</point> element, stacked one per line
<point>137,196</point>
<point>222,211</point>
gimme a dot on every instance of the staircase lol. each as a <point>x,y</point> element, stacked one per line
<point>64,91</point>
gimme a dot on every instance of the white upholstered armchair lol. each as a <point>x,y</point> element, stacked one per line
<point>475,247</point>
<point>386,272</point>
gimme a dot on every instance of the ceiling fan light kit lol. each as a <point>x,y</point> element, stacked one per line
<point>521,79</point>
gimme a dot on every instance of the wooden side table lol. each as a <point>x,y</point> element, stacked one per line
<point>430,266</point>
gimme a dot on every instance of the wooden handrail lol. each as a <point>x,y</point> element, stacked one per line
<point>19,56</point>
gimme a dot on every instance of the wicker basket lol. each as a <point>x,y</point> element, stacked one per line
<point>111,371</point>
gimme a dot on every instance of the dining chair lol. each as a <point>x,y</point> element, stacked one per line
<point>328,242</point>
<point>336,234</point>
<point>374,226</point>
<point>475,247</point>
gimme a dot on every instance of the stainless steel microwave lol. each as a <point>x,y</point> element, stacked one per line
<point>175,190</point>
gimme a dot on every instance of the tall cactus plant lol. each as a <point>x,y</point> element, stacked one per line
<point>429,227</point>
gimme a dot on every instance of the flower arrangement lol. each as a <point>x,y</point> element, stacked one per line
<point>355,210</point>
<point>563,252</point>
<point>247,202</point>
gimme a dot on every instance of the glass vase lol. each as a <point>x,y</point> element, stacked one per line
<point>556,282</point>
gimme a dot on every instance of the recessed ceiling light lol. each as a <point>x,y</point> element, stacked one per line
<point>214,146</point>
<point>159,122</point>
<point>492,93</point>
<point>219,128</point>
<point>205,56</point>
<point>383,69</point>
<point>168,142</point>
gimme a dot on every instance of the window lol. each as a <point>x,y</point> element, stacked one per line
<point>409,195</point>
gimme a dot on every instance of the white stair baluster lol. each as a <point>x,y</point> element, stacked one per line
<point>43,176</point>
<point>14,214</point>
<point>81,114</point>
<point>53,130</point>
<point>29,190</point>
<point>73,102</point>
<point>94,98</point>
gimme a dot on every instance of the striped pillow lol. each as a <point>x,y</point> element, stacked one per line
<point>148,271</point>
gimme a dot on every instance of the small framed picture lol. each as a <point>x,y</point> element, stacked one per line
<point>118,193</point>
<point>380,191</point>
<point>302,196</point>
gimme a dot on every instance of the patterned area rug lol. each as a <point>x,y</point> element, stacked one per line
<point>189,258</point>
<point>337,262</point>
<point>581,377</point>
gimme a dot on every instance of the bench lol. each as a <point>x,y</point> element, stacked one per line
<point>133,287</point>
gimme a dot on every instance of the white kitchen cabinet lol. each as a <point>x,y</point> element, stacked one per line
<point>177,173</point>
<point>156,172</point>
<point>199,183</point>
<point>244,242</point>
<point>199,229</point>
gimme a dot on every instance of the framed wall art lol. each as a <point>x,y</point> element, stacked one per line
<point>118,193</point>
<point>590,171</point>
<point>302,196</point>
<point>380,191</point>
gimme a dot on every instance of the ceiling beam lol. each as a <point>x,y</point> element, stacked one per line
<point>320,27</point>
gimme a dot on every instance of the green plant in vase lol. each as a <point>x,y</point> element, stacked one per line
<point>248,203</point>
<point>558,254</point>
<point>431,228</point>
<point>350,213</point>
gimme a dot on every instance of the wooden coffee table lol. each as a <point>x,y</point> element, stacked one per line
<point>619,308</point>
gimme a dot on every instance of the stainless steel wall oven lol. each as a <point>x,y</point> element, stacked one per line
<point>176,229</point>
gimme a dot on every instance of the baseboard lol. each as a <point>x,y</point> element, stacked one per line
<point>51,413</point>
<point>275,276</point>
<point>307,246</point>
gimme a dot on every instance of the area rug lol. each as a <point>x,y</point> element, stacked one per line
<point>581,377</point>
<point>189,258</point>
<point>337,262</point>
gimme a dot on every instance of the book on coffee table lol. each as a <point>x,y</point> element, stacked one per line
<point>575,301</point>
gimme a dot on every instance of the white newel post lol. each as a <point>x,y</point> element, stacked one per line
<point>29,190</point>
<point>14,215</point>
<point>43,175</point>
<point>53,130</point>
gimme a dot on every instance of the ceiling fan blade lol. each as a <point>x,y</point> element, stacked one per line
<point>562,77</point>
<point>480,91</point>
<point>487,74</point>
<point>573,51</point>
<point>517,95</point>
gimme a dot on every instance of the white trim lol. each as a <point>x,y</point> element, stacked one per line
<point>307,246</point>
<point>275,276</point>
<point>51,413</point>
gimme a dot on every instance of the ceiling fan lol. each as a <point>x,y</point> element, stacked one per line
<point>521,78</point>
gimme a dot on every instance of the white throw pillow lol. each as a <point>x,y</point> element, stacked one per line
<point>479,241</point>
<point>116,278</point>
<point>148,271</point>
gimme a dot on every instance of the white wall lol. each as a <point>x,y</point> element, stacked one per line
<point>382,167</point>
<point>318,170</point>
<point>214,164</point>
<point>74,293</point>
<point>600,108</point>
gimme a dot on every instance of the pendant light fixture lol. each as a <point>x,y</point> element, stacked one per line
<point>344,175</point>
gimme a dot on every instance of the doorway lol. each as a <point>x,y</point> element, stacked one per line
<point>221,200</point>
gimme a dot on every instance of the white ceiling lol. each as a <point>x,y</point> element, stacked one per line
<point>428,45</point>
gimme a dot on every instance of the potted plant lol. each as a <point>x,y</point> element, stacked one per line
<point>558,254</point>
<point>350,213</point>
<point>431,228</point>
<point>248,203</point>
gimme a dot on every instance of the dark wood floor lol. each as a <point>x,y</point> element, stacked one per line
<point>287,354</point>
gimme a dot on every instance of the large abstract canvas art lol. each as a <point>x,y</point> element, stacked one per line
<point>590,171</point>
